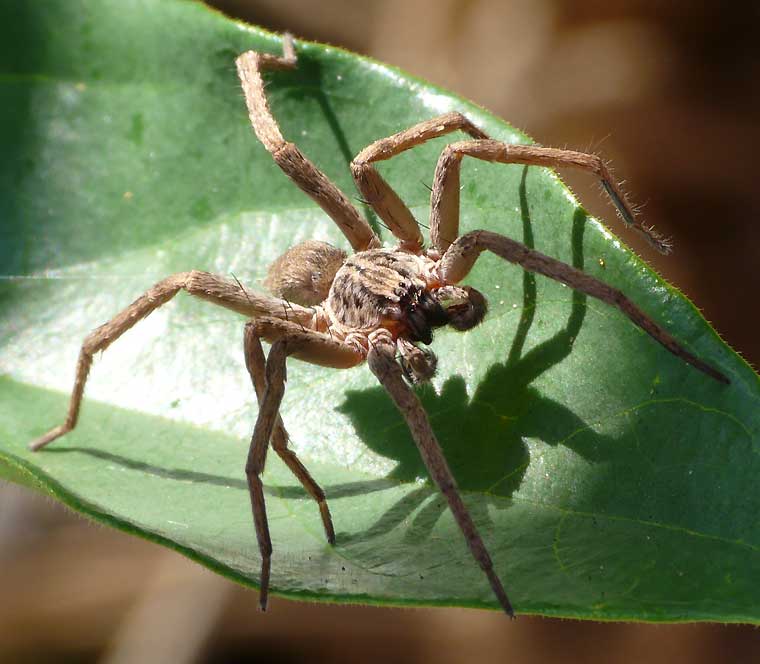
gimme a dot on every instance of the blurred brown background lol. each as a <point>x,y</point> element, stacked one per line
<point>669,92</point>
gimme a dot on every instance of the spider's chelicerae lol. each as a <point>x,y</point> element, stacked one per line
<point>376,305</point>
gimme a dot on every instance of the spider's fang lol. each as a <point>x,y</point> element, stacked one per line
<point>423,312</point>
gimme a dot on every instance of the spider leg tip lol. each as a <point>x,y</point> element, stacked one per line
<point>38,443</point>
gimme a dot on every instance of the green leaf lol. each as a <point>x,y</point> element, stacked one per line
<point>610,480</point>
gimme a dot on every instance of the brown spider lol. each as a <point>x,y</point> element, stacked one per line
<point>376,305</point>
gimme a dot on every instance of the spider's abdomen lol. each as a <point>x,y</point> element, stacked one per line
<point>304,273</point>
<point>384,288</point>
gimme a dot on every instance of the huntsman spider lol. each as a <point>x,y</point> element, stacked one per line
<point>378,304</point>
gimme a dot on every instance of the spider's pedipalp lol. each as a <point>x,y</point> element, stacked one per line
<point>418,364</point>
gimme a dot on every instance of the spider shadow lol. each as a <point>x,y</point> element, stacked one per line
<point>238,482</point>
<point>483,436</point>
<point>178,474</point>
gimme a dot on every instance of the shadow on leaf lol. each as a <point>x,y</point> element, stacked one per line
<point>483,436</point>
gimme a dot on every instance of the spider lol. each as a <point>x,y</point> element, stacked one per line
<point>378,305</point>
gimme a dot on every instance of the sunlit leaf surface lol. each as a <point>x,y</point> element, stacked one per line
<point>609,479</point>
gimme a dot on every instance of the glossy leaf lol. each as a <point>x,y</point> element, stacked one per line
<point>610,480</point>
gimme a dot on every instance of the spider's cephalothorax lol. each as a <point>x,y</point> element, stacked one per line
<point>376,305</point>
<point>386,288</point>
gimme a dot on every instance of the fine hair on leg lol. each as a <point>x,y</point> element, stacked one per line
<point>287,339</point>
<point>444,201</point>
<point>256,364</point>
<point>379,194</point>
<point>313,182</point>
<point>382,363</point>
<point>462,254</point>
<point>204,285</point>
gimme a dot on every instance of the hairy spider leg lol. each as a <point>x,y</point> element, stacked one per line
<point>459,258</point>
<point>444,201</point>
<point>313,182</point>
<point>256,364</point>
<point>287,339</point>
<point>382,362</point>
<point>200,284</point>
<point>379,194</point>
